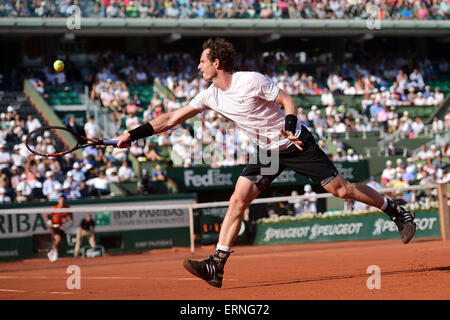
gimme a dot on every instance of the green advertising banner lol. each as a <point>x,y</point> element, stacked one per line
<point>26,235</point>
<point>205,178</point>
<point>16,248</point>
<point>367,227</point>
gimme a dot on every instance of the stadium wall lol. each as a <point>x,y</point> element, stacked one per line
<point>27,235</point>
<point>174,28</point>
<point>369,227</point>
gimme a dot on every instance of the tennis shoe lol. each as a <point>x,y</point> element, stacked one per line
<point>405,224</point>
<point>52,255</point>
<point>207,270</point>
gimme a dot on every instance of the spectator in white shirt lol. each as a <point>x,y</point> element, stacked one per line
<point>17,159</point>
<point>100,184</point>
<point>5,157</point>
<point>4,198</point>
<point>132,121</point>
<point>423,154</point>
<point>296,204</point>
<point>388,173</point>
<point>434,152</point>
<point>309,203</point>
<point>438,96</point>
<point>419,100</point>
<point>416,79</point>
<point>417,126</point>
<point>32,123</point>
<point>327,97</point>
<point>109,169</point>
<point>24,186</point>
<point>312,115</point>
<point>49,185</point>
<point>91,129</point>
<point>437,125</point>
<point>351,156</point>
<point>125,172</point>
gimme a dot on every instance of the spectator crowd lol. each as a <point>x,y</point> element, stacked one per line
<point>382,84</point>
<point>250,9</point>
<point>26,178</point>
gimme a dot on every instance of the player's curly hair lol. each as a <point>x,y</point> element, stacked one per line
<point>223,51</point>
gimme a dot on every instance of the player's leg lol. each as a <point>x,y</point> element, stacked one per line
<point>313,163</point>
<point>344,189</point>
<point>57,241</point>
<point>92,239</point>
<point>77,243</point>
<point>211,270</point>
<point>249,185</point>
<point>53,253</point>
<point>244,193</point>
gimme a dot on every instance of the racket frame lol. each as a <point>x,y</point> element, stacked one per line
<point>82,141</point>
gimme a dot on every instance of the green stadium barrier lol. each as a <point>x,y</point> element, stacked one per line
<point>377,164</point>
<point>205,178</point>
<point>440,111</point>
<point>308,100</point>
<point>412,144</point>
<point>102,201</point>
<point>373,226</point>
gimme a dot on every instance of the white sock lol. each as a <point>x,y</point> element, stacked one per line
<point>385,203</point>
<point>223,248</point>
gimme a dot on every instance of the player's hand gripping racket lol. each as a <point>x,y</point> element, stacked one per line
<point>57,141</point>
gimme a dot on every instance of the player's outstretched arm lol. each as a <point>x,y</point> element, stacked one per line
<point>285,100</point>
<point>160,124</point>
<point>290,110</point>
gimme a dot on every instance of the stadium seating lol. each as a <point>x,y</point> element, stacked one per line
<point>225,10</point>
<point>62,95</point>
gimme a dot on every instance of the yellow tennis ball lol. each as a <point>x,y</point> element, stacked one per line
<point>58,65</point>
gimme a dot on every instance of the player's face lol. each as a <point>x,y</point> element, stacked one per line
<point>62,201</point>
<point>206,66</point>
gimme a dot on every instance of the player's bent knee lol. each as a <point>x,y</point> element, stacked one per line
<point>237,203</point>
<point>344,191</point>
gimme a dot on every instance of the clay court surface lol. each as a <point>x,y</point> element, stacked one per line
<point>419,270</point>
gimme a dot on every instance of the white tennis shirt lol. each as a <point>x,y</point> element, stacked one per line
<point>249,103</point>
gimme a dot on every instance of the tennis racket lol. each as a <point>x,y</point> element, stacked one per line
<point>57,141</point>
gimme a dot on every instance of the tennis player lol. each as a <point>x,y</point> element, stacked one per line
<point>56,220</point>
<point>253,102</point>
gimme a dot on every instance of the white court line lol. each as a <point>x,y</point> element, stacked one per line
<point>25,291</point>
<point>11,290</point>
<point>57,292</point>
<point>107,278</point>
<point>84,277</point>
<point>25,277</point>
<point>114,278</point>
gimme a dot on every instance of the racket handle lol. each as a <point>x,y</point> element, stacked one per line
<point>110,142</point>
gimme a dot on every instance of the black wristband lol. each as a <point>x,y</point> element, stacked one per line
<point>290,123</point>
<point>140,132</point>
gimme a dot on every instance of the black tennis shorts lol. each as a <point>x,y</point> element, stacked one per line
<point>310,162</point>
<point>59,231</point>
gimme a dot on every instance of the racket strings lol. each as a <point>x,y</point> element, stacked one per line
<point>48,141</point>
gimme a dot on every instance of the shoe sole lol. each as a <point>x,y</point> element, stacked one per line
<point>411,234</point>
<point>192,270</point>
